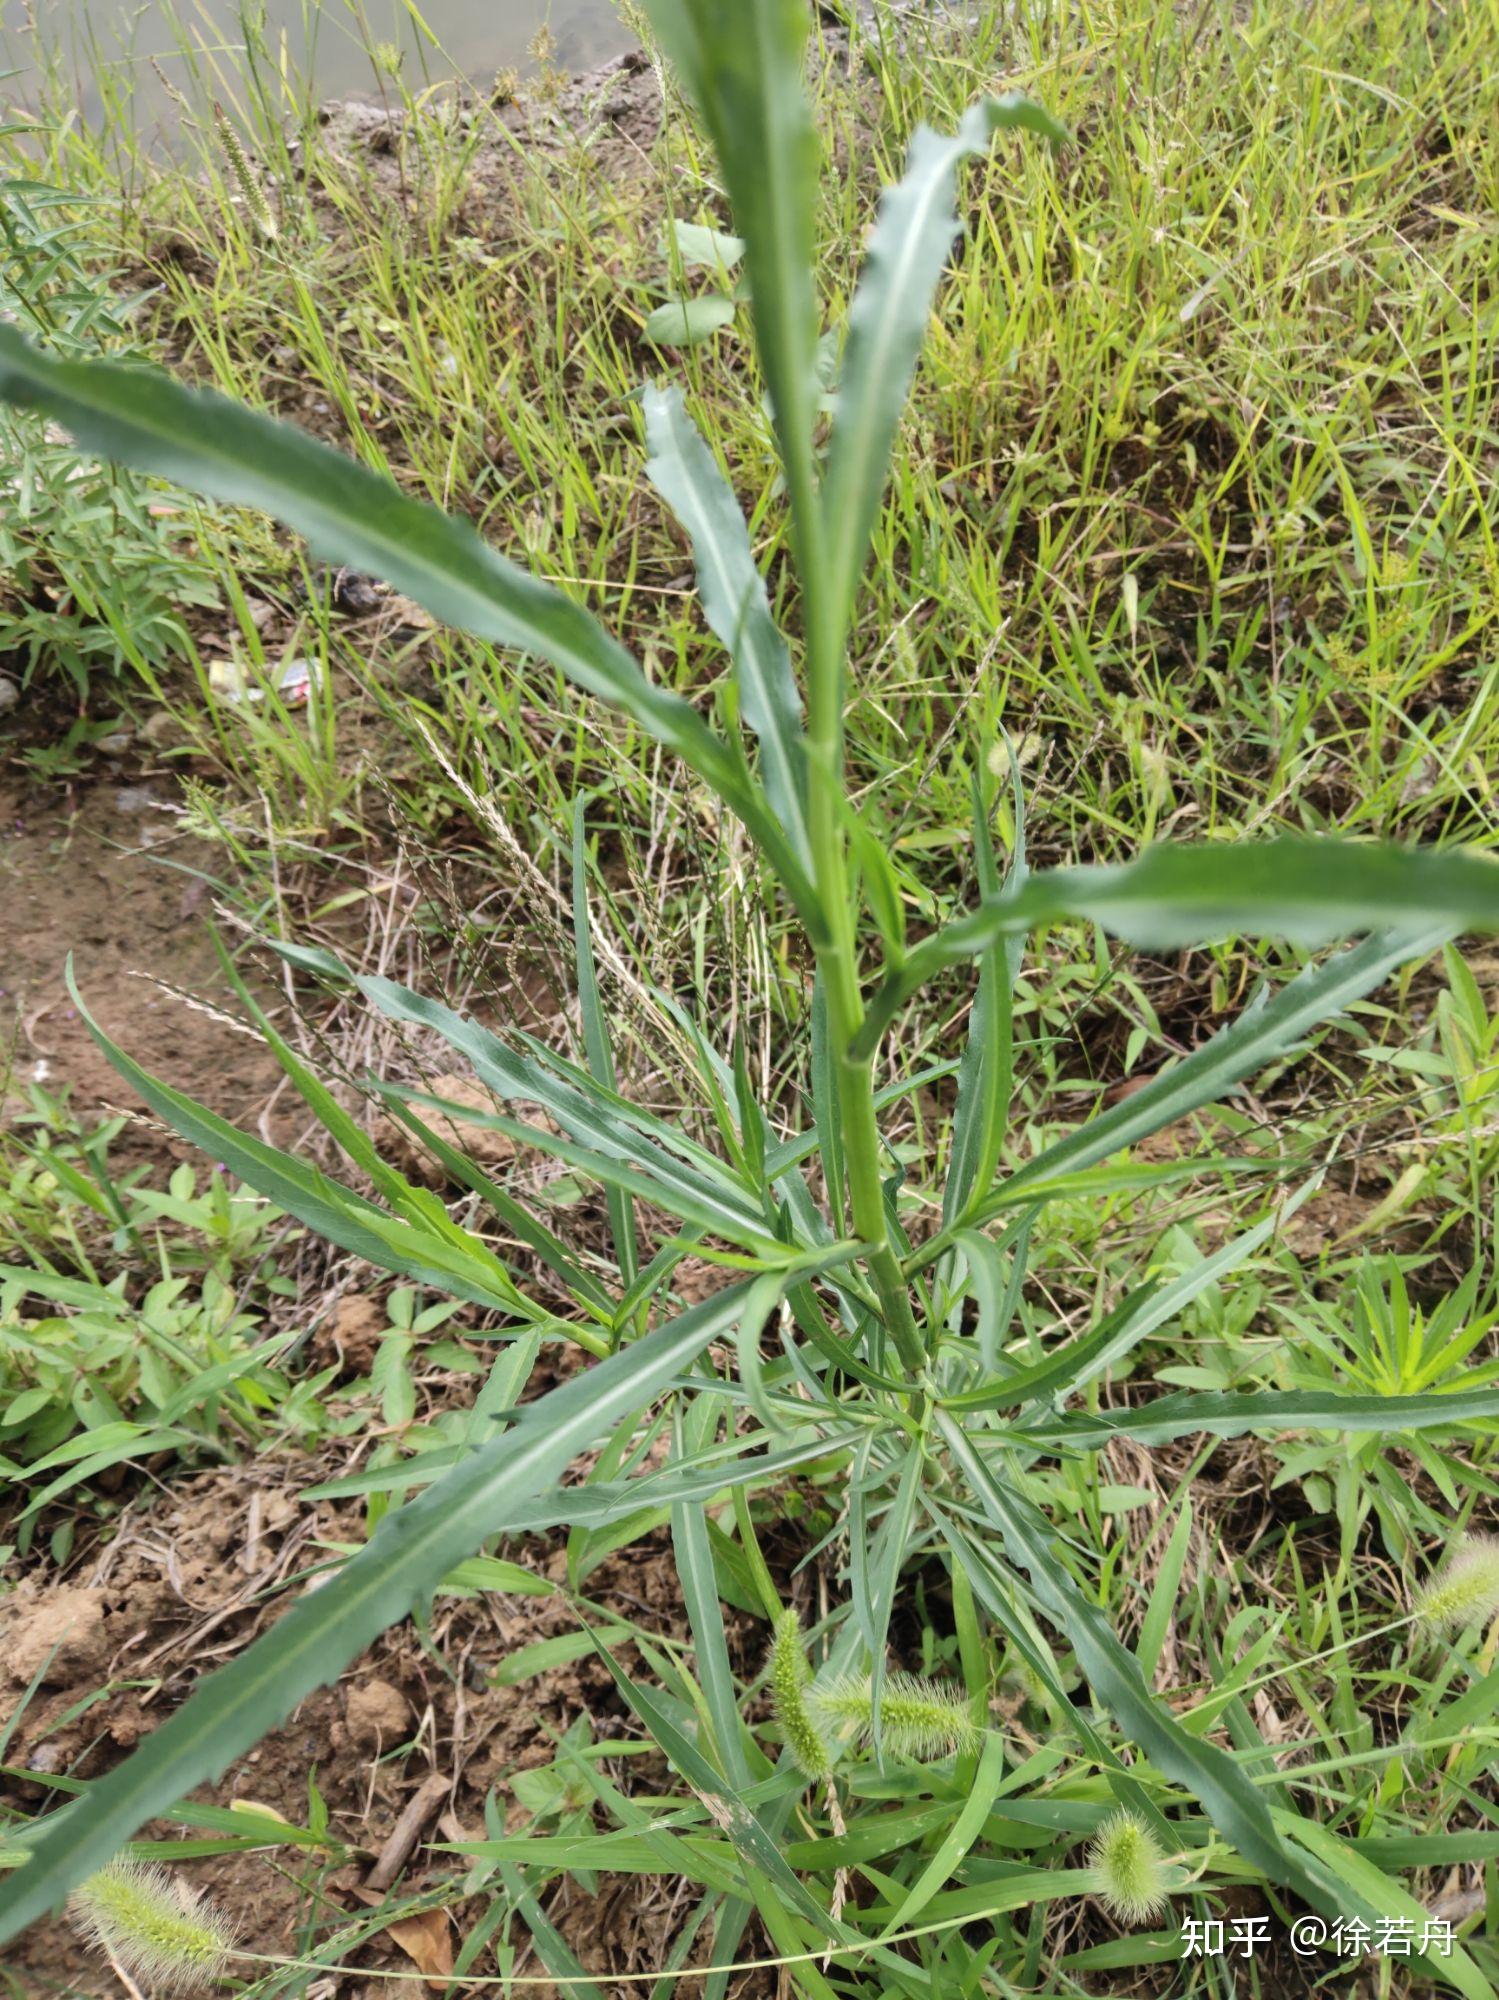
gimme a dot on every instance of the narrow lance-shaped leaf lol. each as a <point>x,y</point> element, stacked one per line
<point>467,1270</point>
<point>1267,1412</point>
<point>349,514</point>
<point>1077,1362</point>
<point>1354,1885</point>
<point>1266,1029</point>
<point>1307,891</point>
<point>1269,1028</point>
<point>1208,1773</point>
<point>747,84</point>
<point>887,322</point>
<point>686,475</point>
<point>986,1073</point>
<point>596,1044</point>
<point>583,1107</point>
<point>676,1195</point>
<point>689,1533</point>
<point>408,1555</point>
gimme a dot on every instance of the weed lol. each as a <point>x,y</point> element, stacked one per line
<point>887,1337</point>
<point>94,577</point>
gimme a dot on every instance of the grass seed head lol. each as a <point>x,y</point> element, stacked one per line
<point>244,173</point>
<point>921,1719</point>
<point>1129,1870</point>
<point>1465,1590</point>
<point>790,1679</point>
<point>160,1930</point>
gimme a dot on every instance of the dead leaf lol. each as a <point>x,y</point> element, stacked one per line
<point>427,1940</point>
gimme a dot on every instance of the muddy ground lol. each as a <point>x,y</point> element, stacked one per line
<point>103,870</point>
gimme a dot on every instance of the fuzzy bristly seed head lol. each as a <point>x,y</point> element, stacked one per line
<point>244,173</point>
<point>790,1678</point>
<point>1465,1590</point>
<point>1129,1870</point>
<point>920,1719</point>
<point>160,1931</point>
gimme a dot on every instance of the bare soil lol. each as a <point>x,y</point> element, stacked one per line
<point>105,871</point>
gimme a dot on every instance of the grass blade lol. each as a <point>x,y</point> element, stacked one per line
<point>986,1073</point>
<point>685,473</point>
<point>1078,1362</point>
<point>747,85</point>
<point>596,1043</point>
<point>887,321</point>
<point>689,1535</point>
<point>1353,1883</point>
<point>1231,1802</point>
<point>1267,1028</point>
<point>1307,891</point>
<point>467,1270</point>
<point>1229,1413</point>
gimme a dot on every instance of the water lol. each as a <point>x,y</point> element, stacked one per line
<point>111,43</point>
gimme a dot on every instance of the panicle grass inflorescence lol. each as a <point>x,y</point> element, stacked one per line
<point>1464,1590</point>
<point>244,173</point>
<point>919,1718</point>
<point>161,1931</point>
<point>790,1682</point>
<point>1129,1870</point>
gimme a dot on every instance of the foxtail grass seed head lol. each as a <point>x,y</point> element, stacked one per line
<point>920,1719</point>
<point>244,173</point>
<point>159,1930</point>
<point>790,1680</point>
<point>1465,1590</point>
<point>1129,1870</point>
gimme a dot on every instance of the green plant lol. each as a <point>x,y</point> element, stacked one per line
<point>93,577</point>
<point>154,1925</point>
<point>129,1318</point>
<point>1465,1591</point>
<point>1371,1338</point>
<point>895,1364</point>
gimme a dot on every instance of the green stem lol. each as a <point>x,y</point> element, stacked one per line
<point>835,960</point>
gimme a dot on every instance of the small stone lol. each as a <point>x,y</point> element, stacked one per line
<point>10,694</point>
<point>162,729</point>
<point>353,1332</point>
<point>377,1715</point>
<point>489,1150</point>
<point>63,1637</point>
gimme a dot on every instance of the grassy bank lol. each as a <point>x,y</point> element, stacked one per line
<point>1192,503</point>
<point>1192,496</point>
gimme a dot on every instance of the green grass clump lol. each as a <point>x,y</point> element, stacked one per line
<point>1189,495</point>
<point>983,1324</point>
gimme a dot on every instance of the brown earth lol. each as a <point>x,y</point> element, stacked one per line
<point>104,870</point>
